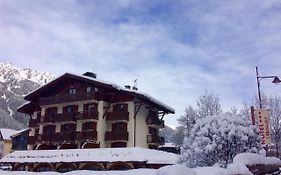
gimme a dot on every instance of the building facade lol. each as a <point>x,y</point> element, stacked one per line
<point>79,111</point>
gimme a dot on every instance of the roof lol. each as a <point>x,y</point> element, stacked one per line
<point>20,132</point>
<point>7,133</point>
<point>128,154</point>
<point>34,95</point>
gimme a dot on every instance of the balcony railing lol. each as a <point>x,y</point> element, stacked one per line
<point>64,137</point>
<point>88,115</point>
<point>68,98</point>
<point>155,139</point>
<point>117,116</point>
<point>86,135</point>
<point>116,136</point>
<point>48,119</point>
<point>65,117</point>
<point>47,137</point>
<point>155,122</point>
<point>34,122</point>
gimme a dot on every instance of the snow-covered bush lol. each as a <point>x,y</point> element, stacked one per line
<point>217,139</point>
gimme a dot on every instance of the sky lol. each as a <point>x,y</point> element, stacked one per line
<point>176,49</point>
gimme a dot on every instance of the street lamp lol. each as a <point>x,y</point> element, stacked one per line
<point>276,80</point>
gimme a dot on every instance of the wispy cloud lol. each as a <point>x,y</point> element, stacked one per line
<point>176,49</point>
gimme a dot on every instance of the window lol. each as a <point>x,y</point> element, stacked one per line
<point>120,107</point>
<point>90,107</point>
<point>89,89</point>
<point>51,111</point>
<point>68,128</point>
<point>89,126</point>
<point>119,126</point>
<point>72,90</point>
<point>69,109</point>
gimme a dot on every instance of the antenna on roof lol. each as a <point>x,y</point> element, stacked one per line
<point>135,85</point>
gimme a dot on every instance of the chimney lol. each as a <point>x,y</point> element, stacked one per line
<point>127,86</point>
<point>90,74</point>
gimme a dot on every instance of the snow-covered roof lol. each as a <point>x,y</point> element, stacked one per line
<point>7,133</point>
<point>112,85</point>
<point>128,154</point>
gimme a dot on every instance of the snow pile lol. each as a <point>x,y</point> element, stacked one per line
<point>211,171</point>
<point>94,155</point>
<point>175,170</point>
<point>217,139</point>
<point>253,159</point>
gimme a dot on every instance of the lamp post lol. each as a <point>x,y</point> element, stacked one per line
<point>275,80</point>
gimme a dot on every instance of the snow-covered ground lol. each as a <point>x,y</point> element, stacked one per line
<point>238,167</point>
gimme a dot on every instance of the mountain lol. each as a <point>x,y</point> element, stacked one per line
<point>15,83</point>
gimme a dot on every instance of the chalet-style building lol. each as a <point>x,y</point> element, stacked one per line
<point>79,111</point>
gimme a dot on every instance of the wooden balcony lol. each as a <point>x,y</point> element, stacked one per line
<point>155,139</point>
<point>68,98</point>
<point>48,119</point>
<point>88,115</point>
<point>46,137</point>
<point>86,135</point>
<point>116,136</point>
<point>34,122</point>
<point>65,117</point>
<point>155,122</point>
<point>64,137</point>
<point>117,116</point>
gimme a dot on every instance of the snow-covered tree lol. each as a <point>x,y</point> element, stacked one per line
<point>186,123</point>
<point>217,139</point>
<point>208,105</point>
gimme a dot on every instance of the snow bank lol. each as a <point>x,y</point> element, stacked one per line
<point>175,170</point>
<point>253,159</point>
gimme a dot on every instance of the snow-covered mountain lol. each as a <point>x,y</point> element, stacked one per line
<point>15,83</point>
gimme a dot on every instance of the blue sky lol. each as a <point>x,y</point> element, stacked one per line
<point>176,49</point>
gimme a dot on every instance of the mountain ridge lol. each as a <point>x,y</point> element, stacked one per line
<point>15,83</point>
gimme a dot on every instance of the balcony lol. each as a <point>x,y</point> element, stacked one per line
<point>86,135</point>
<point>155,139</point>
<point>33,122</point>
<point>64,137</point>
<point>65,117</point>
<point>46,137</point>
<point>88,115</point>
<point>116,136</point>
<point>155,122</point>
<point>68,98</point>
<point>117,116</point>
<point>48,119</point>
